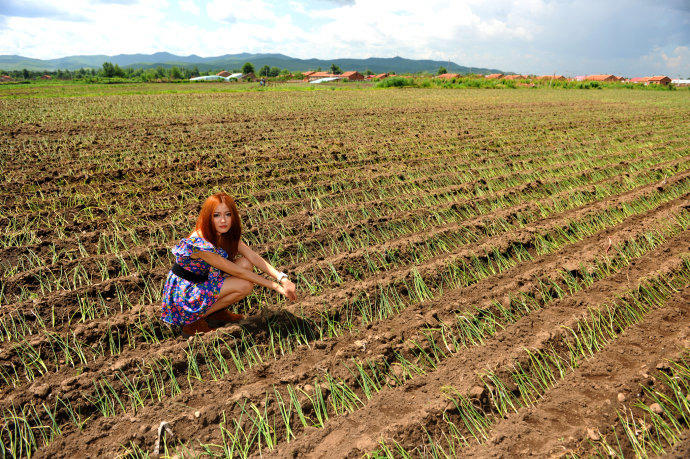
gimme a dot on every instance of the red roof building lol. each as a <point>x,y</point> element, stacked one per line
<point>448,76</point>
<point>659,79</point>
<point>494,76</point>
<point>380,76</point>
<point>552,77</point>
<point>224,74</point>
<point>352,76</point>
<point>606,78</point>
<point>308,73</point>
<point>514,77</point>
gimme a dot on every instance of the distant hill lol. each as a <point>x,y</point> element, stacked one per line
<point>235,61</point>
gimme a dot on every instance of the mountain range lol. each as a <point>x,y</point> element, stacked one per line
<point>235,61</point>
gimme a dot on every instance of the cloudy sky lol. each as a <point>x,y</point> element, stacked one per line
<point>625,37</point>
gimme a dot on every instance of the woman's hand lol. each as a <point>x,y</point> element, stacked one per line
<point>287,289</point>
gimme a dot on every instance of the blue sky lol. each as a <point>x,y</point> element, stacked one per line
<point>571,37</point>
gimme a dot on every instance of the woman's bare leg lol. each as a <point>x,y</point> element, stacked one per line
<point>233,290</point>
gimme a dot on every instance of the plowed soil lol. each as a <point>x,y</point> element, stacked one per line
<point>400,214</point>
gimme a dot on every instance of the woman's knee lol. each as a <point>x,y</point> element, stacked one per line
<point>235,285</point>
<point>244,263</point>
<point>246,287</point>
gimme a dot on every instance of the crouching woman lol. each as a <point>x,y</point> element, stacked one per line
<point>214,270</point>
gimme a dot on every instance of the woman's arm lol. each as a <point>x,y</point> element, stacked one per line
<point>256,259</point>
<point>231,268</point>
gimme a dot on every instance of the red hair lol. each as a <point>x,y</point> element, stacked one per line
<point>229,240</point>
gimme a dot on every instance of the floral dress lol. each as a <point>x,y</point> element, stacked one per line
<point>184,301</point>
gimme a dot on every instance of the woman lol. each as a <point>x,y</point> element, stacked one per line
<point>208,277</point>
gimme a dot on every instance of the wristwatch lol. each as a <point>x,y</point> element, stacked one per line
<point>281,276</point>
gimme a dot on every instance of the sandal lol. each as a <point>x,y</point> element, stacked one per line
<point>196,327</point>
<point>222,317</point>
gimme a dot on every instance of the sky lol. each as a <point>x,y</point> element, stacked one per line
<point>569,37</point>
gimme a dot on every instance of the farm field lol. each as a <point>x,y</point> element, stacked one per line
<point>482,273</point>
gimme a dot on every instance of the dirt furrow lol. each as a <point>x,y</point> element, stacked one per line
<point>87,240</point>
<point>305,362</point>
<point>400,412</point>
<point>396,275</point>
<point>583,405</point>
<point>142,253</point>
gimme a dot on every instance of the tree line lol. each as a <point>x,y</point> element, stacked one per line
<point>112,71</point>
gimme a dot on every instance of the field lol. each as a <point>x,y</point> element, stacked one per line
<point>482,272</point>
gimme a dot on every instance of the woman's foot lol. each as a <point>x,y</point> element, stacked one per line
<point>222,317</point>
<point>199,326</point>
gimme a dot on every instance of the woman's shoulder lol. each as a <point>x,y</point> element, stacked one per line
<point>194,243</point>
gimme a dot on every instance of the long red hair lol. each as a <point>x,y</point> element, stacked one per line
<point>229,240</point>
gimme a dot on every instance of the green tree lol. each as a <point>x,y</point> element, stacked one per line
<point>247,68</point>
<point>149,75</point>
<point>368,72</point>
<point>109,70</point>
<point>25,74</point>
<point>274,72</point>
<point>175,73</point>
<point>265,71</point>
<point>441,71</point>
<point>335,70</point>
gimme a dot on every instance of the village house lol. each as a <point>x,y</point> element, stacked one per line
<point>352,76</point>
<point>604,78</point>
<point>494,76</point>
<point>659,79</point>
<point>319,75</point>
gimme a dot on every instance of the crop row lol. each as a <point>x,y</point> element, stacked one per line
<point>122,214</point>
<point>157,378</point>
<point>648,430</point>
<point>20,324</point>
<point>454,271</point>
<point>342,241</point>
<point>248,355</point>
<point>523,383</point>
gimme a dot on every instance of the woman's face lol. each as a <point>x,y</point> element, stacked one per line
<point>222,218</point>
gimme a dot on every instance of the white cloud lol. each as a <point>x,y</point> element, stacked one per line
<point>679,60</point>
<point>240,11</point>
<point>109,28</point>
<point>528,36</point>
<point>190,6</point>
<point>674,62</point>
